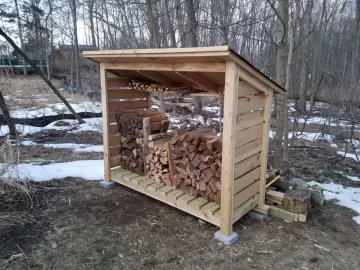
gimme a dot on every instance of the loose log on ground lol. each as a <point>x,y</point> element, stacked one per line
<point>297,201</point>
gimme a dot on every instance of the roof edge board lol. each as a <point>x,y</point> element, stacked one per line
<point>255,72</point>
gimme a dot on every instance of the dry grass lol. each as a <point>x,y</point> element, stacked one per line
<point>11,191</point>
<point>32,92</point>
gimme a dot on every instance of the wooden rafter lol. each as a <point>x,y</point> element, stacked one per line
<point>155,76</point>
<point>197,79</point>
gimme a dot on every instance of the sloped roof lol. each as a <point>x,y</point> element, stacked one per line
<point>183,55</point>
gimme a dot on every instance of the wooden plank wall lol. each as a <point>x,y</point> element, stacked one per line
<point>121,98</point>
<point>248,142</point>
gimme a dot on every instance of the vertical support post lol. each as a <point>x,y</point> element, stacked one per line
<point>229,130</point>
<point>265,147</point>
<point>105,118</point>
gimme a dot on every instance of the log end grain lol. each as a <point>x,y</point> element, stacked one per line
<point>297,201</point>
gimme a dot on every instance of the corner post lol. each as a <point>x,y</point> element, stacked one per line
<point>229,130</point>
<point>105,118</point>
<point>265,147</point>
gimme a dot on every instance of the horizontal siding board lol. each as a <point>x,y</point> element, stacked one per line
<point>246,90</point>
<point>250,103</point>
<point>114,151</point>
<point>245,121</point>
<point>113,129</point>
<point>247,150</point>
<point>246,194</point>
<point>246,180</point>
<point>114,140</point>
<point>124,105</point>
<point>114,161</point>
<point>125,94</point>
<point>115,82</point>
<point>246,165</point>
<point>245,136</point>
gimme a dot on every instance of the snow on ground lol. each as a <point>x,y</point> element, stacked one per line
<point>214,109</point>
<point>92,124</point>
<point>74,146</point>
<point>348,197</point>
<point>321,121</point>
<point>87,169</point>
<point>57,108</point>
<point>349,155</point>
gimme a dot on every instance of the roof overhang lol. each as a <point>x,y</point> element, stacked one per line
<point>180,60</point>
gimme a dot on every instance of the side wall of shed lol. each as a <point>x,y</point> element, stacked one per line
<point>248,161</point>
<point>116,96</point>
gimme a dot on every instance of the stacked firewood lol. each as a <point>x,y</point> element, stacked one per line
<point>157,161</point>
<point>130,129</point>
<point>197,164</point>
<point>147,87</point>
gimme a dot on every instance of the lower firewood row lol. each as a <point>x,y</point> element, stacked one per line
<point>157,162</point>
<point>197,165</point>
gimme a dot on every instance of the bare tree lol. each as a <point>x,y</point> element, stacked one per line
<point>41,74</point>
<point>280,78</point>
<point>20,32</point>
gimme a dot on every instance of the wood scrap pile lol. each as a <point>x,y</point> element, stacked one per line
<point>197,164</point>
<point>159,88</point>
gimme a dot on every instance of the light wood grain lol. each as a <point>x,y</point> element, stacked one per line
<point>246,180</point>
<point>246,165</point>
<point>246,194</point>
<point>265,147</point>
<point>250,103</point>
<point>245,136</point>
<point>227,170</point>
<point>105,111</point>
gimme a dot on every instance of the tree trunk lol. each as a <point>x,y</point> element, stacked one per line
<point>304,64</point>
<point>170,24</point>
<point>76,44</point>
<point>280,79</point>
<point>5,112</point>
<point>287,86</point>
<point>356,59</point>
<point>91,19</point>
<point>20,33</point>
<point>41,74</point>
<point>191,39</point>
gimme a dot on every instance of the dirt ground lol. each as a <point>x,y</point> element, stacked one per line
<point>74,224</point>
<point>79,225</point>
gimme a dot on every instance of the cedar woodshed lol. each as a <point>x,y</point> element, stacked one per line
<point>206,71</point>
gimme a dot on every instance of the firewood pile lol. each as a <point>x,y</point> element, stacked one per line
<point>130,127</point>
<point>197,164</point>
<point>157,161</point>
<point>146,87</point>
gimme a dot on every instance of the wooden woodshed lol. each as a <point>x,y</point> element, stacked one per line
<point>212,71</point>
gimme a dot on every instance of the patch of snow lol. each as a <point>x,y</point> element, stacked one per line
<point>348,197</point>
<point>91,148</point>
<point>57,108</point>
<point>87,169</point>
<point>352,178</point>
<point>212,109</point>
<point>349,155</point>
<point>74,146</point>
<point>92,124</point>
<point>311,136</point>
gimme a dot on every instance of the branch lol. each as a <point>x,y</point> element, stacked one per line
<point>41,74</point>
